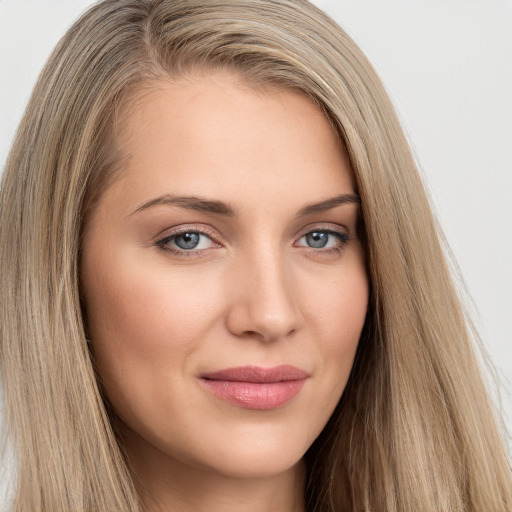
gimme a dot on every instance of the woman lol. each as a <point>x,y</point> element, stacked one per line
<point>222,284</point>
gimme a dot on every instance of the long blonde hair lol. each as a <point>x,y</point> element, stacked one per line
<point>414,430</point>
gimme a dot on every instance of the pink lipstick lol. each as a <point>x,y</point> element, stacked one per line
<point>253,387</point>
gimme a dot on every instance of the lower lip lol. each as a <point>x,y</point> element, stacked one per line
<point>251,395</point>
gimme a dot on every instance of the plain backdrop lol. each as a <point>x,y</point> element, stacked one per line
<point>447,65</point>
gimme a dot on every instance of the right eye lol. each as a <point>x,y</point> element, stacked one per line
<point>186,242</point>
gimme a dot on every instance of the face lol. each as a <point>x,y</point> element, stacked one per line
<point>223,277</point>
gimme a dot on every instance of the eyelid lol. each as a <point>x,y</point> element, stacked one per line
<point>324,226</point>
<point>192,228</point>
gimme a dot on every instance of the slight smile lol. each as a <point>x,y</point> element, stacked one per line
<point>253,387</point>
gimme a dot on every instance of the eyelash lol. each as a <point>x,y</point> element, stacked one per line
<point>164,243</point>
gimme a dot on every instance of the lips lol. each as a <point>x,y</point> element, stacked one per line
<point>253,387</point>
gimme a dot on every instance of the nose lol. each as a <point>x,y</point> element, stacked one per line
<point>264,301</point>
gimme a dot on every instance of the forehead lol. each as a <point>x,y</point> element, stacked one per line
<point>214,136</point>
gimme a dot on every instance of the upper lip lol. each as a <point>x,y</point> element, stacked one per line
<point>257,374</point>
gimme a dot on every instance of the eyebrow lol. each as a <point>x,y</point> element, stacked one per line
<point>192,203</point>
<point>221,208</point>
<point>328,204</point>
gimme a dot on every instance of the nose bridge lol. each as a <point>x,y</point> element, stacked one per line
<point>266,304</point>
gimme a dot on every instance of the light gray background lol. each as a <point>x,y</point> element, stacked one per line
<point>448,67</point>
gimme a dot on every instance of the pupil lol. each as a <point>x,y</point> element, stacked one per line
<point>317,239</point>
<point>187,240</point>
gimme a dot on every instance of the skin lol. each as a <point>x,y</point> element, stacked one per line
<point>253,292</point>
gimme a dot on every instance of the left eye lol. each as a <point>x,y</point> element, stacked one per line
<point>322,239</point>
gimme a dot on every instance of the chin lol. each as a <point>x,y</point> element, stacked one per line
<point>255,453</point>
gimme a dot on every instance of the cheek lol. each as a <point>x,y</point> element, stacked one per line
<point>339,306</point>
<point>338,313</point>
<point>136,301</point>
<point>144,321</point>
